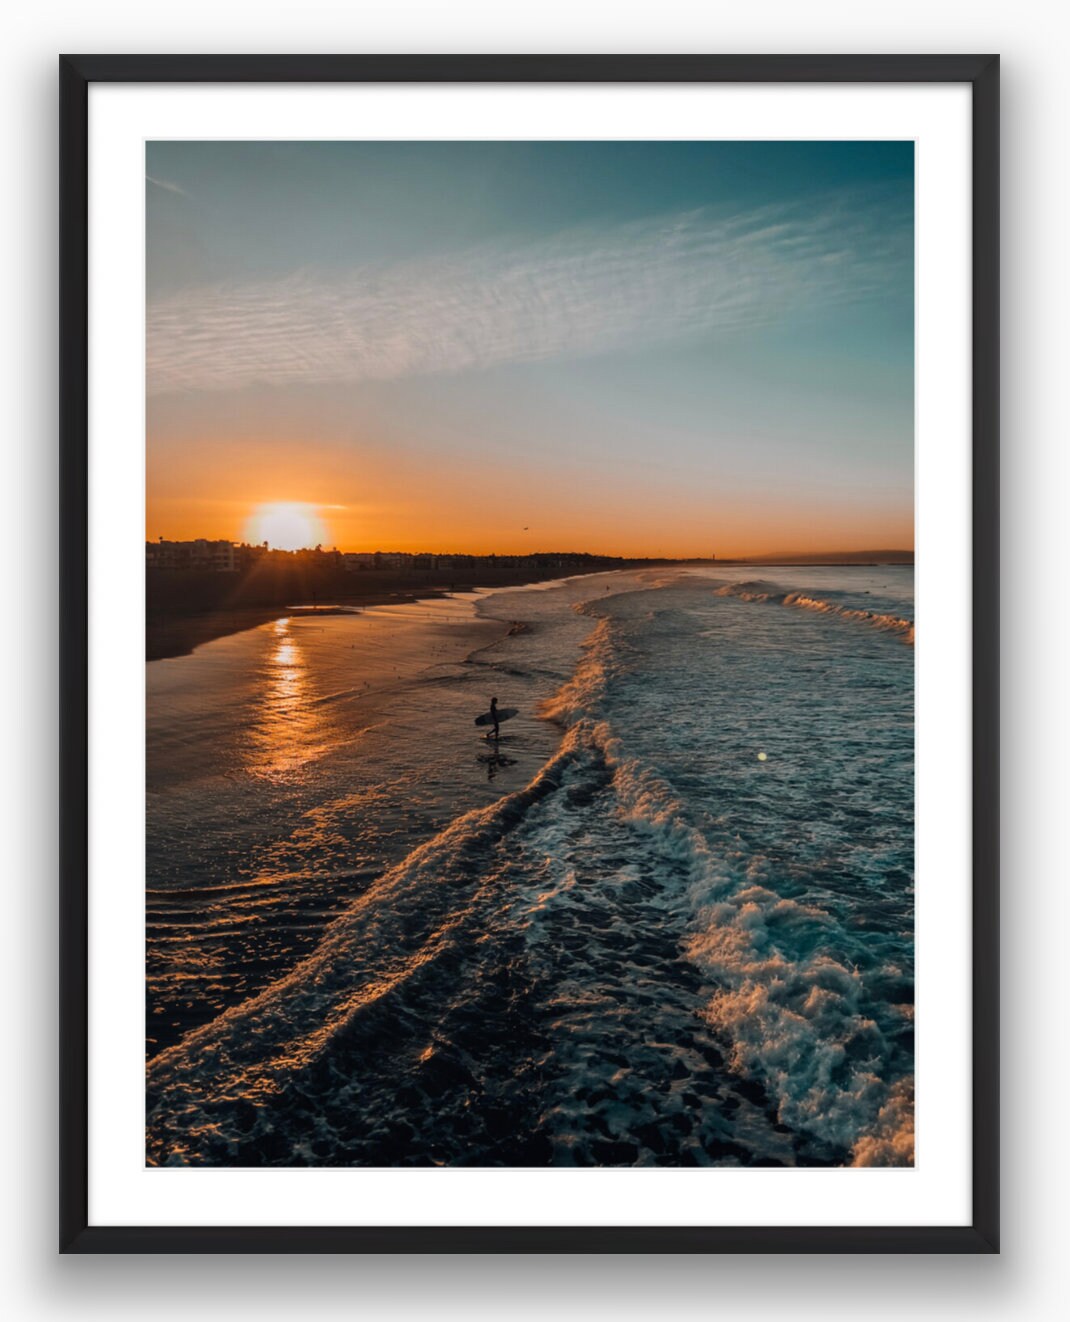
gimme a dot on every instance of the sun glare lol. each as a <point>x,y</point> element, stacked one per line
<point>286,526</point>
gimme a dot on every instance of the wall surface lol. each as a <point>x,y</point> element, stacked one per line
<point>1027,1280</point>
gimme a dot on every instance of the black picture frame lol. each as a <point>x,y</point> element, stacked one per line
<point>76,73</point>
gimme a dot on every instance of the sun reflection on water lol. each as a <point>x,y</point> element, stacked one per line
<point>287,731</point>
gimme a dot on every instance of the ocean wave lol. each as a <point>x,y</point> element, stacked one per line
<point>217,1094</point>
<point>582,693</point>
<point>798,1022</point>
<point>793,1014</point>
<point>760,591</point>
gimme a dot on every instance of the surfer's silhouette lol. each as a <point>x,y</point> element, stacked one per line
<point>494,715</point>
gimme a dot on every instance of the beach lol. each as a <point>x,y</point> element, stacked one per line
<point>297,705</point>
<point>668,919</point>
<point>180,634</point>
<point>184,610</point>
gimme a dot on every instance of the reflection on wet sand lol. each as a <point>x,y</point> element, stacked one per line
<point>302,752</point>
<point>495,761</point>
<point>288,731</point>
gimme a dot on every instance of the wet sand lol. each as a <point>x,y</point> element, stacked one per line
<point>178,635</point>
<point>173,632</point>
<point>287,744</point>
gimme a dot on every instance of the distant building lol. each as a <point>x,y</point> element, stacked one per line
<point>217,556</point>
<point>357,561</point>
<point>160,555</point>
<point>225,557</point>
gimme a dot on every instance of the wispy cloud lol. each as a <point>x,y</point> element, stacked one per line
<point>165,183</point>
<point>579,293</point>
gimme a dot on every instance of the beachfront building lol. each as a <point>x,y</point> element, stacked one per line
<point>216,556</point>
<point>354,562</point>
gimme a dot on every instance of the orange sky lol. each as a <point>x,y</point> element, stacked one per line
<point>376,499</point>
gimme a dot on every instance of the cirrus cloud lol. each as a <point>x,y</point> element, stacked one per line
<point>582,292</point>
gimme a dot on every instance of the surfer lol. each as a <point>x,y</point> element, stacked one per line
<point>494,718</point>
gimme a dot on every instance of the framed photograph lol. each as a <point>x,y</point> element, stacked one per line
<point>529,767</point>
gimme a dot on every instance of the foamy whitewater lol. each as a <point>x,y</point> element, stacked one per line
<point>668,921</point>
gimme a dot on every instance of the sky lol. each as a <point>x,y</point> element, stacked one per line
<point>626,348</point>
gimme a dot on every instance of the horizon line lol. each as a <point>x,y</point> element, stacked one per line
<point>861,553</point>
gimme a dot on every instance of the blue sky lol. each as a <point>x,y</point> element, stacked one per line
<point>622,347</point>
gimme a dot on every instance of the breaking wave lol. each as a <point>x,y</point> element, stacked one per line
<point>769,592</point>
<point>792,1015</point>
<point>208,1096</point>
<point>799,1022</point>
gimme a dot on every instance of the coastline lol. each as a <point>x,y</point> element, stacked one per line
<point>172,632</point>
<point>179,634</point>
<point>300,715</point>
<point>313,724</point>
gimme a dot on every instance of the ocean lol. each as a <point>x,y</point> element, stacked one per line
<point>667,920</point>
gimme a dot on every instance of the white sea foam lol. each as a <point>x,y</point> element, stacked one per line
<point>768,592</point>
<point>793,1015</point>
<point>794,1022</point>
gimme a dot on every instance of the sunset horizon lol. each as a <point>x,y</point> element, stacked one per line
<point>422,546</point>
<point>644,349</point>
<point>365,528</point>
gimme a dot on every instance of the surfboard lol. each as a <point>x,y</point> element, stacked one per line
<point>504,714</point>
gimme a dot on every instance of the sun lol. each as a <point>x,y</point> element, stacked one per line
<point>286,526</point>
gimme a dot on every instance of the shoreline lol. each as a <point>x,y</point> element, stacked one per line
<point>170,635</point>
<point>180,635</point>
<point>175,633</point>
